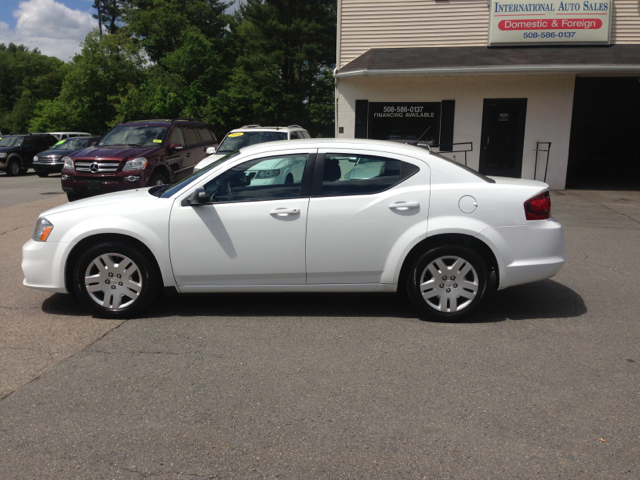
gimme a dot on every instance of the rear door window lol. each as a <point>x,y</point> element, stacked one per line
<point>205,135</point>
<point>177,137</point>
<point>190,136</point>
<point>362,174</point>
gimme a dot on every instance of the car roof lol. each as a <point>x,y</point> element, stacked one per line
<point>161,122</point>
<point>365,144</point>
<point>260,128</point>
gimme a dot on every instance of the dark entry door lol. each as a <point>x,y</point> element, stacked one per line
<point>502,136</point>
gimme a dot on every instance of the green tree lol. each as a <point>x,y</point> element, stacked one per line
<point>108,14</point>
<point>96,80</point>
<point>160,24</point>
<point>283,71</point>
<point>26,76</point>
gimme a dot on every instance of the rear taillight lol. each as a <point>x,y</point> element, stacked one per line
<point>538,207</point>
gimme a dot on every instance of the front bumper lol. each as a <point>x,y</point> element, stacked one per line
<point>86,184</point>
<point>47,167</point>
<point>43,266</point>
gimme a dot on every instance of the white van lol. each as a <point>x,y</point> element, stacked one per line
<point>65,135</point>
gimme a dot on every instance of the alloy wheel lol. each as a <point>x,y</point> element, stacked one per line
<point>449,284</point>
<point>113,281</point>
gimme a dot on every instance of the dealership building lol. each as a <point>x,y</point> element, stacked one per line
<point>543,89</point>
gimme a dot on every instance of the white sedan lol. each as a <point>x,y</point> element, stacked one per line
<point>363,216</point>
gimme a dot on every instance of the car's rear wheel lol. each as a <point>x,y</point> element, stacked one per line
<point>115,280</point>
<point>448,283</point>
<point>13,168</point>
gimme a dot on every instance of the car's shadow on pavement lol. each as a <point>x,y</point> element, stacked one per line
<point>545,299</point>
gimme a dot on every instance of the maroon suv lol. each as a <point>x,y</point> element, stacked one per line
<point>136,154</point>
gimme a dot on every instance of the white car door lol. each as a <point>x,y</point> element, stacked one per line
<point>365,209</point>
<point>246,234</point>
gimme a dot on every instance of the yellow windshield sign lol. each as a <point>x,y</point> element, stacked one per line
<point>157,140</point>
<point>237,134</point>
<point>61,141</point>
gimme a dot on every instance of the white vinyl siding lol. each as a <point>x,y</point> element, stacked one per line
<point>369,24</point>
<point>625,27</point>
<point>366,24</point>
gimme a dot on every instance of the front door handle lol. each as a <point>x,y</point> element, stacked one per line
<point>284,212</point>
<point>188,154</point>
<point>404,205</point>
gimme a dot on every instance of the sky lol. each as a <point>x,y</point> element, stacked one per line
<point>55,27</point>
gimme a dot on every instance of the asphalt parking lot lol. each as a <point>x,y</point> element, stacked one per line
<point>543,383</point>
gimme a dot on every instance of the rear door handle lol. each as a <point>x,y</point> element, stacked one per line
<point>284,212</point>
<point>404,205</point>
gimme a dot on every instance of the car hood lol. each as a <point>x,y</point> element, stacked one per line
<point>57,152</point>
<point>210,159</point>
<point>115,152</point>
<point>140,194</point>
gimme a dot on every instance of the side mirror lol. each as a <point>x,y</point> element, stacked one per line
<point>211,150</point>
<point>198,197</point>
<point>93,144</point>
<point>176,147</point>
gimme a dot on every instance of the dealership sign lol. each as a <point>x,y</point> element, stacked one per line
<point>527,22</point>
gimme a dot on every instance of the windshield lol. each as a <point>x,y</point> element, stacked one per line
<point>464,167</point>
<point>70,144</point>
<point>11,142</point>
<point>237,140</point>
<point>163,191</point>
<point>138,136</point>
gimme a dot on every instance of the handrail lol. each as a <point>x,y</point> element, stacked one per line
<point>449,149</point>
<point>546,166</point>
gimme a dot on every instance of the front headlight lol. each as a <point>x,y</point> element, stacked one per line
<point>135,164</point>
<point>262,174</point>
<point>43,230</point>
<point>3,154</point>
<point>68,163</point>
<point>35,159</point>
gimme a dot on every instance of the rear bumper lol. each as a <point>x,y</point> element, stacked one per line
<point>527,253</point>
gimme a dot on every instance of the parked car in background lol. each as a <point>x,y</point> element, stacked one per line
<point>251,135</point>
<point>17,151</point>
<point>137,154</point>
<point>50,161</point>
<point>408,219</point>
<point>64,135</point>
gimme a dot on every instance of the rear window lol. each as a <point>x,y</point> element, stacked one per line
<point>464,167</point>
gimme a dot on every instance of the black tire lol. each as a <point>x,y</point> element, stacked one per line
<point>72,197</point>
<point>158,179</point>
<point>448,283</point>
<point>42,174</point>
<point>119,298</point>
<point>13,167</point>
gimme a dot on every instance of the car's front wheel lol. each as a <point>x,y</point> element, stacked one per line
<point>13,168</point>
<point>448,283</point>
<point>115,280</point>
